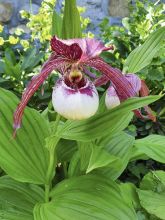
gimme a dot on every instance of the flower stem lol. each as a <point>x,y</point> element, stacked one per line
<point>47,189</point>
<point>31,9</point>
<point>58,117</point>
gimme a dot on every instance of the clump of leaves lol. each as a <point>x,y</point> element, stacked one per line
<point>145,17</point>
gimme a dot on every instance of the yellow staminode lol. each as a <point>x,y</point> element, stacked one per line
<point>75,73</point>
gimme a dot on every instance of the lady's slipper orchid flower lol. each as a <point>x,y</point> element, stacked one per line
<point>71,59</point>
<point>76,104</point>
<point>112,99</point>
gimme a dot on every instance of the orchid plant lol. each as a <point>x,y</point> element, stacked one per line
<point>69,169</point>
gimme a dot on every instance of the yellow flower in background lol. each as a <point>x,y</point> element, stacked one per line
<point>1,41</point>
<point>13,40</point>
<point>19,31</point>
<point>1,28</point>
<point>24,14</point>
<point>24,43</point>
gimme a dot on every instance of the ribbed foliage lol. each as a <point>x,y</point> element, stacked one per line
<point>17,200</point>
<point>120,146</point>
<point>142,56</point>
<point>65,150</point>
<point>71,27</point>
<point>152,193</point>
<point>56,24</point>
<point>103,124</point>
<point>24,158</point>
<point>152,146</point>
<point>153,202</point>
<point>85,198</point>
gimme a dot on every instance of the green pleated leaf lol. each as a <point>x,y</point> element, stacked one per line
<point>130,195</point>
<point>71,27</point>
<point>17,200</point>
<point>152,193</point>
<point>143,55</point>
<point>120,146</point>
<point>24,158</point>
<point>56,25</point>
<point>84,150</point>
<point>100,158</point>
<point>76,167</point>
<point>154,181</point>
<point>31,59</point>
<point>152,146</point>
<point>152,202</point>
<point>65,150</point>
<point>106,123</point>
<point>85,198</point>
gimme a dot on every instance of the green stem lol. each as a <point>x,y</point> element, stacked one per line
<point>47,189</point>
<point>58,117</point>
<point>50,171</point>
<point>31,9</point>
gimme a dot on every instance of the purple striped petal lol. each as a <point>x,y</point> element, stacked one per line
<point>102,80</point>
<point>123,87</point>
<point>92,49</point>
<point>78,49</point>
<point>135,82</point>
<point>70,51</point>
<point>90,74</point>
<point>53,63</point>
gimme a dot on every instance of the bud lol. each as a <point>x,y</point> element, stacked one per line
<point>111,99</point>
<point>75,103</point>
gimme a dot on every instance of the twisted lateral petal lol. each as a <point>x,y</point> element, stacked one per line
<point>148,116</point>
<point>135,82</point>
<point>78,49</point>
<point>123,87</point>
<point>144,90</point>
<point>102,80</point>
<point>90,74</point>
<point>76,104</point>
<point>111,99</point>
<point>36,81</point>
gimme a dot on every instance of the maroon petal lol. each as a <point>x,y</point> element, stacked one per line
<point>102,80</point>
<point>144,90</point>
<point>150,115</point>
<point>78,49</point>
<point>123,87</point>
<point>53,63</point>
<point>72,51</point>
